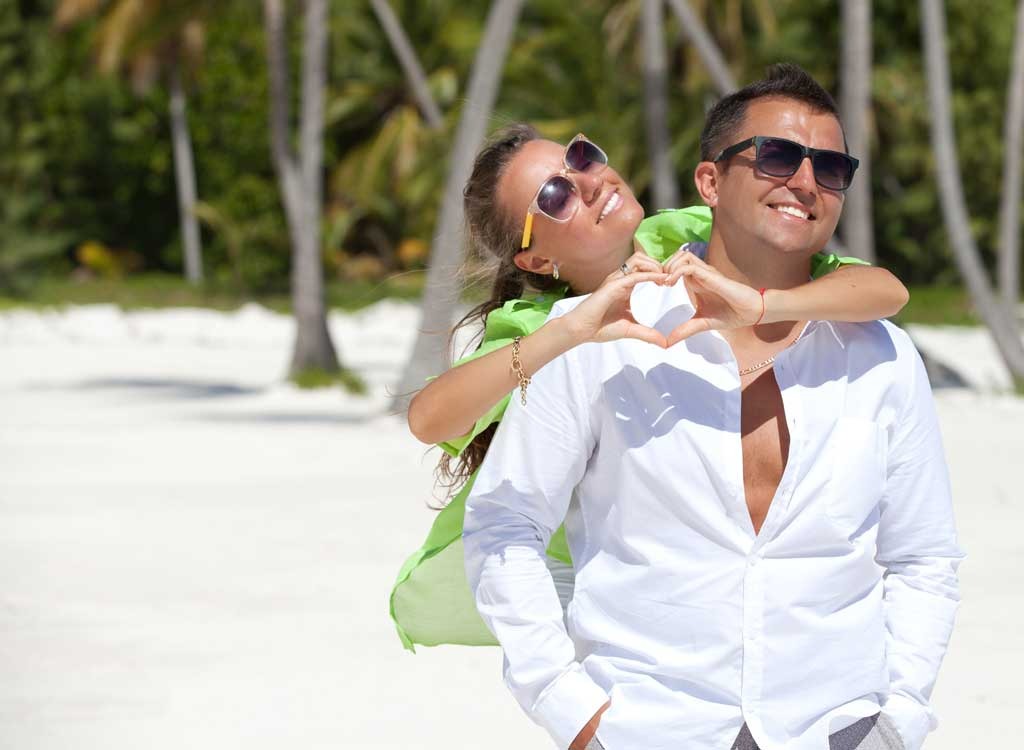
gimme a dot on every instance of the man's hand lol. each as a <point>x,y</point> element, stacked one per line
<point>589,729</point>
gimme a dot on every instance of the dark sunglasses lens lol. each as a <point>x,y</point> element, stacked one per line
<point>556,197</point>
<point>833,170</point>
<point>584,155</point>
<point>779,158</point>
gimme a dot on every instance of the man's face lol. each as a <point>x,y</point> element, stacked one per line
<point>788,214</point>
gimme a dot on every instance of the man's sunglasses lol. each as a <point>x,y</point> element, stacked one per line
<point>778,157</point>
<point>558,197</point>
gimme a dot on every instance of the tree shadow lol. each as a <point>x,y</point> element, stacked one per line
<point>289,418</point>
<point>170,388</point>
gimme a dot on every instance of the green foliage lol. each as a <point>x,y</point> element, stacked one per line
<point>83,158</point>
<point>155,290</point>
<point>316,378</point>
<point>939,305</point>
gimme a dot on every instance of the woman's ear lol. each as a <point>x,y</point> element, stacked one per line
<point>528,260</point>
<point>705,177</point>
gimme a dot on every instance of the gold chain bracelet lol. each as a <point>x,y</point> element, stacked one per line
<point>517,368</point>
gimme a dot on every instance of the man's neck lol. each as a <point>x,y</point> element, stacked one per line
<point>758,267</point>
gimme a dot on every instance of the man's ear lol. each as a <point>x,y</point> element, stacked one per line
<point>705,177</point>
<point>528,260</point>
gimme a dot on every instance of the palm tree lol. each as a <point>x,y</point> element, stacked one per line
<point>299,176</point>
<point>147,38</point>
<point>441,291</point>
<point>710,55</point>
<point>1002,326</point>
<point>663,181</point>
<point>855,103</point>
<point>410,63</point>
<point>1009,210</point>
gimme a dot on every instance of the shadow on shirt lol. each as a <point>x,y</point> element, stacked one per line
<point>650,405</point>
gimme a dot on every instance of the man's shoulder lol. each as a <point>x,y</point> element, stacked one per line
<point>878,342</point>
<point>878,334</point>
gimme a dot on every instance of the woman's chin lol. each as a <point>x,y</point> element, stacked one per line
<point>627,218</point>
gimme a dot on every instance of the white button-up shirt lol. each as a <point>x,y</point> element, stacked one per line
<point>682,616</point>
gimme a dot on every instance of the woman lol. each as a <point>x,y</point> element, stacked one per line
<point>560,221</point>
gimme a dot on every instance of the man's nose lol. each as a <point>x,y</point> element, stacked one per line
<point>803,178</point>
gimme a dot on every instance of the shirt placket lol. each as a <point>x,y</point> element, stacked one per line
<point>753,635</point>
<point>754,585</point>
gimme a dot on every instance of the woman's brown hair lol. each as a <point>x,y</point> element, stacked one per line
<point>493,241</point>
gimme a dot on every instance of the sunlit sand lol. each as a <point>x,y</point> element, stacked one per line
<point>197,555</point>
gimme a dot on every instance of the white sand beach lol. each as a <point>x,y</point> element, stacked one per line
<point>196,555</point>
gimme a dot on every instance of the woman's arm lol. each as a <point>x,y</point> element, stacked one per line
<point>851,294</point>
<point>449,406</point>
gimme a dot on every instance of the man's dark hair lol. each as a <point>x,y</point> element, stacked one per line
<point>783,80</point>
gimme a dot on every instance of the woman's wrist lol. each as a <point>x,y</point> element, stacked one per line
<point>568,333</point>
<point>777,306</point>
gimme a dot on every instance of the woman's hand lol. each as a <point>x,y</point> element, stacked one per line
<point>720,302</point>
<point>605,315</point>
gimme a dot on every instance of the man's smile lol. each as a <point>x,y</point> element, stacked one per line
<point>790,209</point>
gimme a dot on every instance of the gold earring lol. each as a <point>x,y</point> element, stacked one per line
<point>555,272</point>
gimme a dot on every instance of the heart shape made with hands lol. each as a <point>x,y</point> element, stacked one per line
<point>662,308</point>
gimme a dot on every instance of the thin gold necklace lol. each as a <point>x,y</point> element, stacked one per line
<point>770,360</point>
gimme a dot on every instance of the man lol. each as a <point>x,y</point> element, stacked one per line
<point>760,519</point>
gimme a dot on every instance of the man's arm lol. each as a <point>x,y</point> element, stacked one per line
<point>917,546</point>
<point>521,495</point>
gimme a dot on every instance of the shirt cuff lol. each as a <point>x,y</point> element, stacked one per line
<point>913,720</point>
<point>568,704</point>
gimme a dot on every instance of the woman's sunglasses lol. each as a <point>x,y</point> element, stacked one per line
<point>558,197</point>
<point>777,157</point>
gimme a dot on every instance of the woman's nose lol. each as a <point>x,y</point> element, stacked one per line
<point>589,185</point>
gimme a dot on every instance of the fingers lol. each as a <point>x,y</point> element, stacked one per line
<point>692,271</point>
<point>685,258</point>
<point>639,261</point>
<point>687,329</point>
<point>643,262</point>
<point>679,257</point>
<point>644,333</point>
<point>618,280</point>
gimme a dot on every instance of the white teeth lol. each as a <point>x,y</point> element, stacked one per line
<point>793,211</point>
<point>610,206</point>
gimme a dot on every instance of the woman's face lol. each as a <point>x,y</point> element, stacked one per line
<point>589,246</point>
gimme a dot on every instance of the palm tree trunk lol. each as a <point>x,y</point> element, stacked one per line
<point>441,292</point>
<point>406,55</point>
<point>855,104</point>
<point>300,178</point>
<point>1001,325</point>
<point>185,179</point>
<point>708,51</point>
<point>1009,210</point>
<point>663,180</point>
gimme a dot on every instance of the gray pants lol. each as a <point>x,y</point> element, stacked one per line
<point>871,733</point>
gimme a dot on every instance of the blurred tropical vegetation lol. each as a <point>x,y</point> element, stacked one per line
<point>87,174</point>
